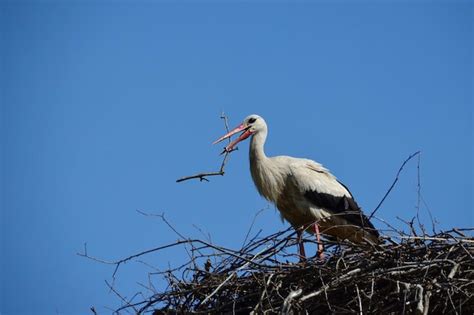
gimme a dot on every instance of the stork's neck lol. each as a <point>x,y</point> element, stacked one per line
<point>257,153</point>
<point>264,170</point>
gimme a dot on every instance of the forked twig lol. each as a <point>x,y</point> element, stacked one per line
<point>394,182</point>
<point>221,171</point>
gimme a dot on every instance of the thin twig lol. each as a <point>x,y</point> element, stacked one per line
<point>418,195</point>
<point>127,303</point>
<point>221,171</point>
<point>252,224</point>
<point>394,182</point>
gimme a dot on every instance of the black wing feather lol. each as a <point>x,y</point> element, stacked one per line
<point>342,205</point>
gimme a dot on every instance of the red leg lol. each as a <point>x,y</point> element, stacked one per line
<point>302,253</point>
<point>318,238</point>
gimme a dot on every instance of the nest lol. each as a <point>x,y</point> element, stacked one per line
<point>407,274</point>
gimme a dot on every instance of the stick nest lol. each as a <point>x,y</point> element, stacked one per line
<point>409,274</point>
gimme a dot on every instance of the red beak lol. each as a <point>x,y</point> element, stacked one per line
<point>246,133</point>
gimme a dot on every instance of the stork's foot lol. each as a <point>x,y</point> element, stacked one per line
<point>320,252</point>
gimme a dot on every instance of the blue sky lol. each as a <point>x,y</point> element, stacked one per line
<point>104,105</point>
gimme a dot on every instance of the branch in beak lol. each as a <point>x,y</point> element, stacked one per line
<point>238,129</point>
<point>230,147</point>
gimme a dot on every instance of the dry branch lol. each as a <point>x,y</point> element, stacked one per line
<point>221,171</point>
<point>397,177</point>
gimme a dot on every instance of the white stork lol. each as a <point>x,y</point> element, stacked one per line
<point>305,193</point>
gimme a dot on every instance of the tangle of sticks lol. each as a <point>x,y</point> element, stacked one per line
<point>428,274</point>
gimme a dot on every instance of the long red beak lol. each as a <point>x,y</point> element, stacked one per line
<point>246,133</point>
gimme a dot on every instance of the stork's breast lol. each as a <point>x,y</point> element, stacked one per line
<point>294,207</point>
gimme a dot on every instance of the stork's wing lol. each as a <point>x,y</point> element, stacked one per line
<point>323,190</point>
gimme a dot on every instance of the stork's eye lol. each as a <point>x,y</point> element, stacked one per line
<point>252,120</point>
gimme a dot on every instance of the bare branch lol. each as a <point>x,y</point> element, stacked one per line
<point>221,171</point>
<point>162,217</point>
<point>252,224</point>
<point>394,182</point>
<point>127,303</point>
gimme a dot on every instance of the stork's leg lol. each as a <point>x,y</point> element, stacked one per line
<point>302,253</point>
<point>318,238</point>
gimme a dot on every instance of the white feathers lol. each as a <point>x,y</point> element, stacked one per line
<point>312,176</point>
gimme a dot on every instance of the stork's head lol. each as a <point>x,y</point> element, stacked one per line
<point>251,125</point>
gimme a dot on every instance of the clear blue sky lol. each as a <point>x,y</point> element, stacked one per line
<point>104,106</point>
